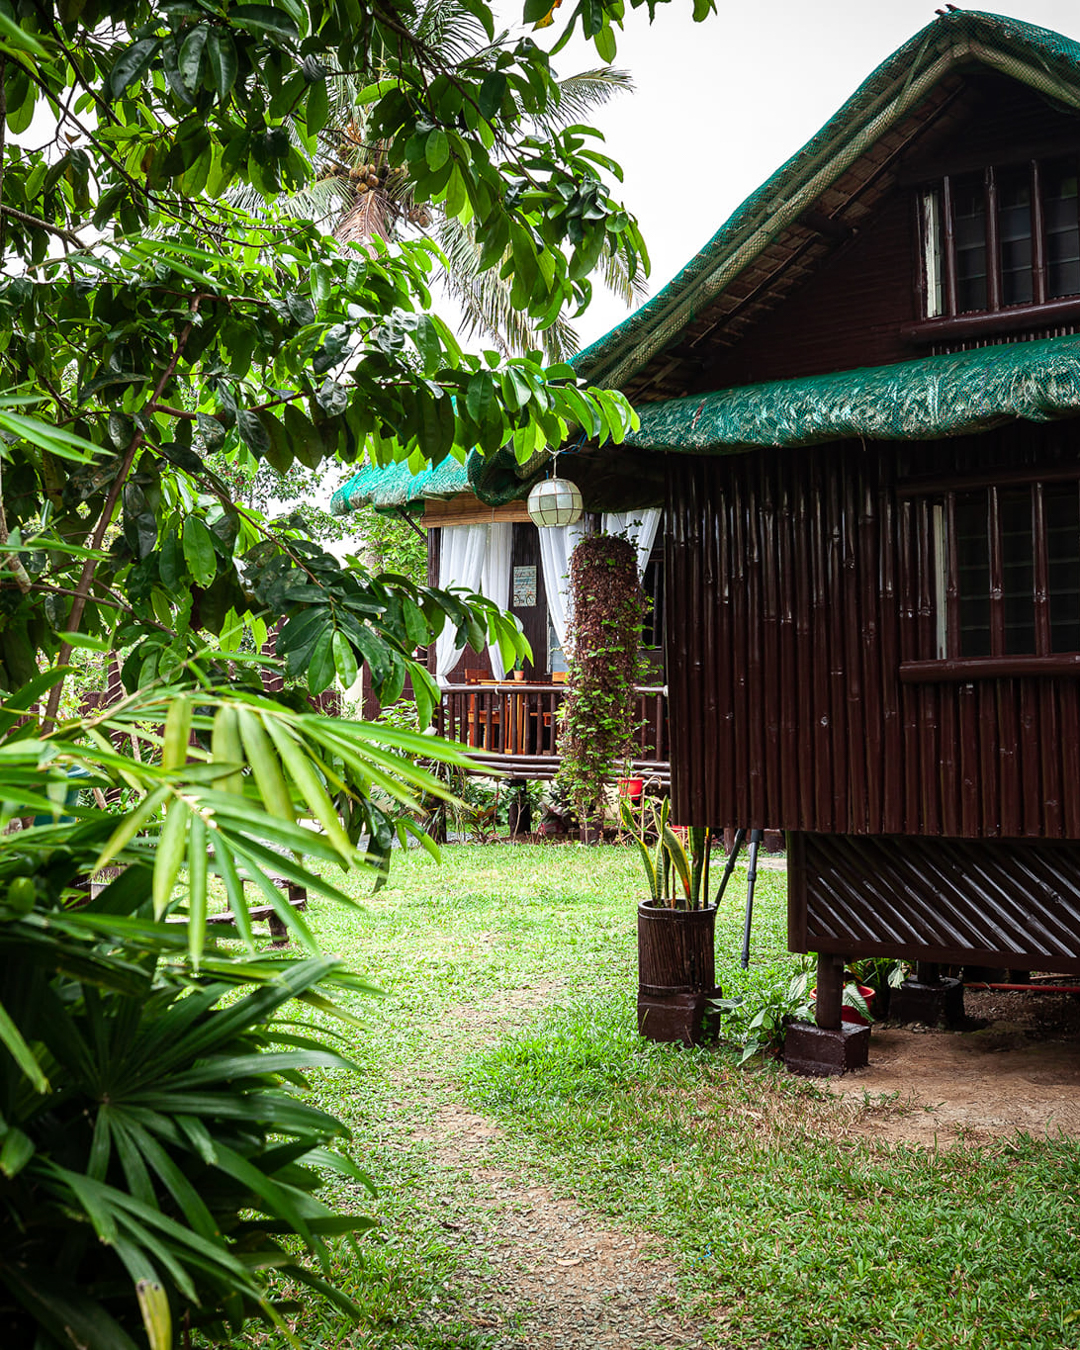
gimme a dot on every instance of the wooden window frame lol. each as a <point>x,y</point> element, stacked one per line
<point>938,290</point>
<point>932,579</point>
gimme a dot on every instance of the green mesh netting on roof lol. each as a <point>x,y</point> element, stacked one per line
<point>914,400</point>
<point>494,479</point>
<point>1038,57</point>
<point>396,486</point>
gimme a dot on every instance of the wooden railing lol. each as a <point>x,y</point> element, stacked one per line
<point>515,726</point>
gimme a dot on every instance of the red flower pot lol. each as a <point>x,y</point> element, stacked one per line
<point>848,1013</point>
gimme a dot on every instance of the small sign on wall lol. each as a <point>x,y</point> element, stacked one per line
<point>524,587</point>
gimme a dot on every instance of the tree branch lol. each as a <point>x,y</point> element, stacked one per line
<point>86,577</point>
<point>42,225</point>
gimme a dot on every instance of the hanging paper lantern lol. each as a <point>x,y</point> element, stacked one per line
<point>555,501</point>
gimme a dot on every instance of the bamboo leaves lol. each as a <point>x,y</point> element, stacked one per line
<point>243,790</point>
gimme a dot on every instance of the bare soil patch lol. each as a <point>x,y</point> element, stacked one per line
<point>1019,1072</point>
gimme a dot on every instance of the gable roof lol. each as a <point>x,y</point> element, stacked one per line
<point>780,233</point>
<point>791,217</point>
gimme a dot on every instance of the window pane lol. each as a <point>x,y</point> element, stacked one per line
<point>931,226</point>
<point>1017,571</point>
<point>1062,509</point>
<point>1062,230</point>
<point>1014,235</point>
<point>652,634</point>
<point>969,217</point>
<point>973,559</point>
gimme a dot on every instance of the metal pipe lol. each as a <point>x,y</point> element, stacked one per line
<point>756,837</point>
<point>1026,988</point>
<point>729,867</point>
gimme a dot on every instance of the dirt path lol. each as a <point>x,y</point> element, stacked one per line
<point>567,1281</point>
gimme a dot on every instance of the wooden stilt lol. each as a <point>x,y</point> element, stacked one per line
<point>830,990</point>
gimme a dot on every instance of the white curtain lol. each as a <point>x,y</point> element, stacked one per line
<point>462,549</point>
<point>476,557</point>
<point>639,527</point>
<point>495,580</point>
<point>557,542</point>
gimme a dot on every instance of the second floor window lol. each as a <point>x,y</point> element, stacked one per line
<point>1001,237</point>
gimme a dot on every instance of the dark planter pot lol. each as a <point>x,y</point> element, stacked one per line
<point>676,971</point>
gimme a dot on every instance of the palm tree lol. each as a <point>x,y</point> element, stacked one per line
<point>365,197</point>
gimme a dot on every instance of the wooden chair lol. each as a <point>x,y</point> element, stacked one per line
<point>477,719</point>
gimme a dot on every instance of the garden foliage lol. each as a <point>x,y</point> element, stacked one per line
<point>155,1165</point>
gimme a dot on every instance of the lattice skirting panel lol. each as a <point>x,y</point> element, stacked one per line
<point>980,902</point>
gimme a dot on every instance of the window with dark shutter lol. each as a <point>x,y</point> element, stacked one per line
<point>1003,560</point>
<point>1001,238</point>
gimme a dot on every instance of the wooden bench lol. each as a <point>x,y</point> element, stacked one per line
<point>267,913</point>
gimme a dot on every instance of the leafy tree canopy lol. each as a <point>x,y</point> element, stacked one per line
<point>146,323</point>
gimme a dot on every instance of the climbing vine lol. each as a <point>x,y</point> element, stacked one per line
<point>598,721</point>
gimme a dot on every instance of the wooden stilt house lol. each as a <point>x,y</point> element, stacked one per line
<point>859,403</point>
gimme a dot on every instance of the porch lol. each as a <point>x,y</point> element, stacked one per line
<point>513,727</point>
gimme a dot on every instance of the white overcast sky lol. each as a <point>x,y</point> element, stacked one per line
<point>721,104</point>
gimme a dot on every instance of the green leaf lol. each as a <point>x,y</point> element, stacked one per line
<point>57,441</point>
<point>321,665</point>
<point>14,38</point>
<point>86,642</point>
<point>252,432</point>
<point>221,56</point>
<point>606,47</point>
<point>492,93</point>
<point>16,1152</point>
<point>318,108</point>
<point>199,550</point>
<point>172,845</point>
<point>264,19</point>
<point>264,766</point>
<point>191,56</point>
<point>436,149</point>
<point>157,1319</point>
<point>12,1040</point>
<point>344,661</point>
<point>174,744</point>
<point>456,198</point>
<point>132,64</point>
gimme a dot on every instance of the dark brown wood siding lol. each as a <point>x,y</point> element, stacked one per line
<point>533,618</point>
<point>850,310</point>
<point>846,315</point>
<point>798,581</point>
<point>1000,903</point>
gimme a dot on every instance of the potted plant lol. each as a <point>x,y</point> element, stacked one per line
<point>676,967</point>
<point>881,974</point>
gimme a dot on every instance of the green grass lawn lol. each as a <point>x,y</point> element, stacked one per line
<point>790,1231</point>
